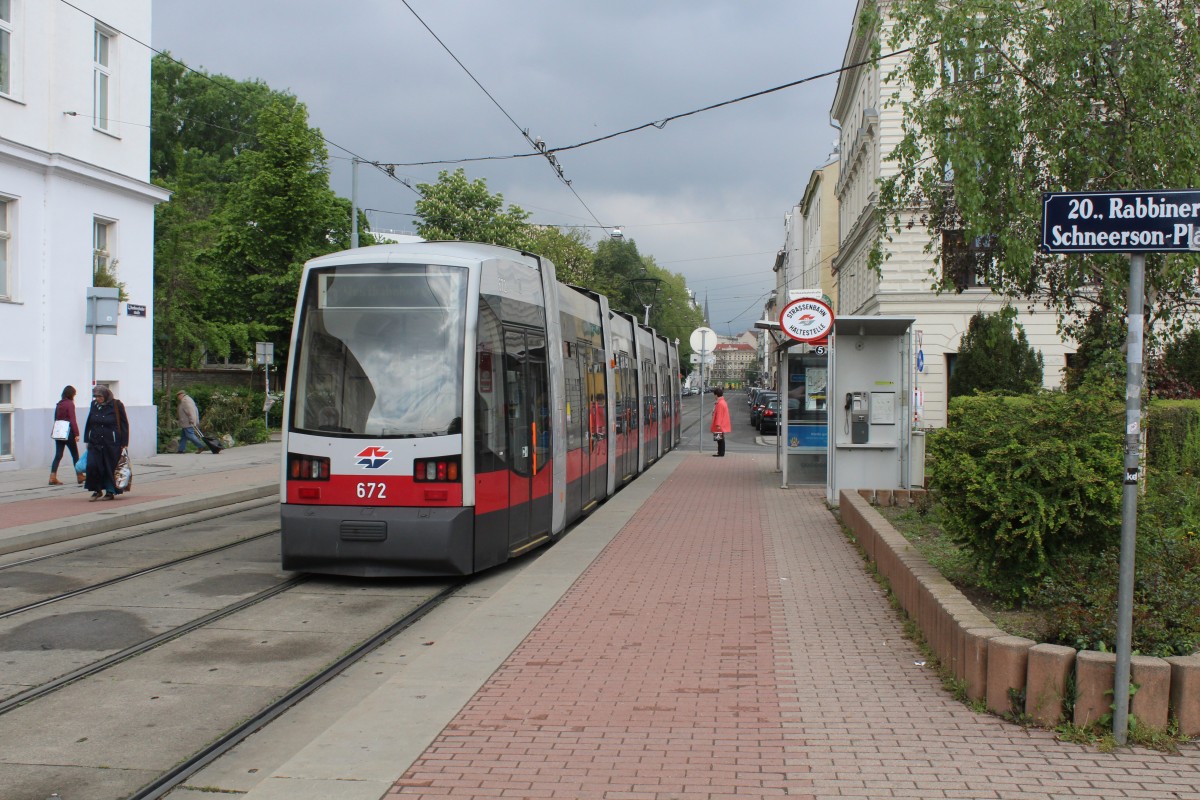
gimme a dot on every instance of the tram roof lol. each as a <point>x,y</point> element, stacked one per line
<point>467,251</point>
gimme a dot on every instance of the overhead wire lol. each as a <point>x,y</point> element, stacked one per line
<point>662,123</point>
<point>537,144</point>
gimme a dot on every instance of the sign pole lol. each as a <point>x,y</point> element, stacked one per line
<point>95,325</point>
<point>1129,495</point>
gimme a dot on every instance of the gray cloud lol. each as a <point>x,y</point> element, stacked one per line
<point>697,195</point>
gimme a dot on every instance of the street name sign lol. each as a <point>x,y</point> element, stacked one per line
<point>1160,221</point>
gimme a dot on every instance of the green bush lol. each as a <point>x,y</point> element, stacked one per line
<point>1080,601</point>
<point>1027,481</point>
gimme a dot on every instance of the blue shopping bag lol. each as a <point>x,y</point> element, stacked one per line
<point>81,464</point>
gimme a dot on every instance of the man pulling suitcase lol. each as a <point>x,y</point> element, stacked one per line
<point>188,417</point>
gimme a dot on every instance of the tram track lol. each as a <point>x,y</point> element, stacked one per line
<point>11,612</point>
<point>16,577</point>
<point>175,777</point>
<point>146,529</point>
<point>195,689</point>
<point>44,689</point>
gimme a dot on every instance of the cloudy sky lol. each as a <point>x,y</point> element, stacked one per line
<point>704,195</point>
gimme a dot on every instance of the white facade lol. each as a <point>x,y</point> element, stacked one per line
<point>870,128</point>
<point>74,166</point>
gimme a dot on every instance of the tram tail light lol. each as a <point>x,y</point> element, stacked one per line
<point>307,468</point>
<point>444,470</point>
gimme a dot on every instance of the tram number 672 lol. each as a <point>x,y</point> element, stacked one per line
<point>372,491</point>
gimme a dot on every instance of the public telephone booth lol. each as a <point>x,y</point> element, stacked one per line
<point>870,404</point>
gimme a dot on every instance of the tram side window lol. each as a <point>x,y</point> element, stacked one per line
<point>597,395</point>
<point>576,404</point>
<point>648,393</point>
<point>489,394</point>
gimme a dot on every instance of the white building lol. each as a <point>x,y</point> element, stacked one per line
<point>74,192</point>
<point>870,128</point>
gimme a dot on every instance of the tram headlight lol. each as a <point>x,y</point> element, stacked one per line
<point>445,470</point>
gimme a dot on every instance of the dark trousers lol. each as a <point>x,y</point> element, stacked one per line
<point>59,444</point>
<point>721,446</point>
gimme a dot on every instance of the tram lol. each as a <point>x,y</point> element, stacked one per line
<point>451,405</point>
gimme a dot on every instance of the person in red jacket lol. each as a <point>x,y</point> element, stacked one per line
<point>65,410</point>
<point>721,426</point>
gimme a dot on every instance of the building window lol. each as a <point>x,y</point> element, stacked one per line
<point>6,207</point>
<point>6,420</point>
<point>102,75</point>
<point>6,46</point>
<point>104,266</point>
<point>967,264</point>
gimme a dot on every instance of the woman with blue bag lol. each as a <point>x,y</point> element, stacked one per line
<point>107,436</point>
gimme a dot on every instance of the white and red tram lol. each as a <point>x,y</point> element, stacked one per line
<point>451,405</point>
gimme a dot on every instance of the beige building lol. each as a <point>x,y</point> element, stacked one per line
<point>870,127</point>
<point>734,363</point>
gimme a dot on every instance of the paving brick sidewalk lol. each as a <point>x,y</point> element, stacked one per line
<point>728,644</point>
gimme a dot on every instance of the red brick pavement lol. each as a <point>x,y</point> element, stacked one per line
<point>728,644</point>
<point>72,500</point>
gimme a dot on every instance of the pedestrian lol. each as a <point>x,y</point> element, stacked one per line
<point>65,412</point>
<point>188,417</point>
<point>107,434</point>
<point>721,426</point>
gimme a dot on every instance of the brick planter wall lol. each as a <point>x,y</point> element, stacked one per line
<point>991,663</point>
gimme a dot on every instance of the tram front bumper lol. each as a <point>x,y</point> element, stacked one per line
<point>377,541</point>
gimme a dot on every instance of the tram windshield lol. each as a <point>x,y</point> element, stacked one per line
<point>380,351</point>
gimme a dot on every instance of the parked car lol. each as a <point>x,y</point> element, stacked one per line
<point>768,421</point>
<point>760,402</point>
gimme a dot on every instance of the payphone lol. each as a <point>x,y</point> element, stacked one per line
<point>857,416</point>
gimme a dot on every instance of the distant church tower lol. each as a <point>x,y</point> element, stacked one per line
<point>707,320</point>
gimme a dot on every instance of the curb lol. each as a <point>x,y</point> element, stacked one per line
<point>25,537</point>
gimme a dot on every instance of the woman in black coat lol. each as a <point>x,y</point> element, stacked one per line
<point>106,433</point>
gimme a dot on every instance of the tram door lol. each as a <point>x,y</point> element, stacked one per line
<point>527,428</point>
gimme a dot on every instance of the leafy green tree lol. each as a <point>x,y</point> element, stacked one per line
<point>278,213</point>
<point>574,262</point>
<point>996,356</point>
<point>1182,359</point>
<point>455,208</point>
<point>1006,99</point>
<point>1099,355</point>
<point>250,203</point>
<point>618,264</point>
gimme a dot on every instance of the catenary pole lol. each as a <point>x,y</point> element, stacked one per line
<point>1129,495</point>
<point>354,202</point>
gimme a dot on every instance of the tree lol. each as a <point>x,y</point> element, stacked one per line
<point>574,261</point>
<point>995,356</point>
<point>1005,99</point>
<point>618,263</point>
<point>457,209</point>
<point>251,201</point>
<point>279,213</point>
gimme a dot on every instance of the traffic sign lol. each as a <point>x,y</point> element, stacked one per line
<point>703,340</point>
<point>1162,221</point>
<point>806,320</point>
<point>920,361</point>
